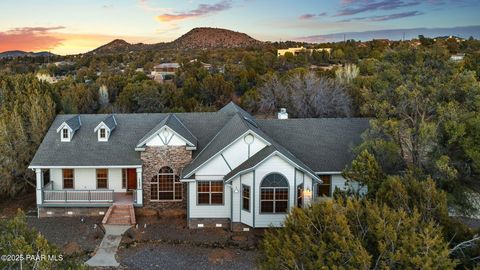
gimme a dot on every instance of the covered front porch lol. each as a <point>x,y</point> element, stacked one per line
<point>88,187</point>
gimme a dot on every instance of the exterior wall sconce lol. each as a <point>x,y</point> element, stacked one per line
<point>307,192</point>
<point>236,190</point>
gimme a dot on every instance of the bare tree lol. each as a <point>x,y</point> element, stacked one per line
<point>305,95</point>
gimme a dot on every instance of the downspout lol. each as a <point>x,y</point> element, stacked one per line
<point>188,204</point>
<point>295,189</point>
<point>231,207</point>
<point>240,199</point>
<point>254,199</point>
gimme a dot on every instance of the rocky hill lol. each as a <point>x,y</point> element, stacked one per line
<point>205,37</point>
<point>197,38</point>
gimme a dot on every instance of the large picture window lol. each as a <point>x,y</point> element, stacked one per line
<point>210,192</point>
<point>274,194</point>
<point>166,186</point>
<point>324,188</point>
<point>245,198</point>
<point>68,178</point>
<point>102,178</point>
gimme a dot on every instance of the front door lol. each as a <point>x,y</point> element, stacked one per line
<point>132,178</point>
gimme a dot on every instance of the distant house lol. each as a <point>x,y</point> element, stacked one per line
<point>297,51</point>
<point>223,169</point>
<point>164,72</point>
<point>457,57</point>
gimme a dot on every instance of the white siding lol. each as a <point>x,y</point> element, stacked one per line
<point>234,155</point>
<point>172,139</point>
<point>274,164</point>
<point>246,216</point>
<point>208,211</point>
<point>87,179</point>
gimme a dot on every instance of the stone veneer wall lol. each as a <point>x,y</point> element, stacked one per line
<point>154,158</point>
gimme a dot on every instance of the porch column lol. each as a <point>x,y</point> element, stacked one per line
<point>139,186</point>
<point>39,176</point>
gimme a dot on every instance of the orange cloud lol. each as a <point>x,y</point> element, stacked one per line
<point>29,39</point>
<point>201,10</point>
<point>46,39</point>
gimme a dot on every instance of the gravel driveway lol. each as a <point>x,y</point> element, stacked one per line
<point>181,256</point>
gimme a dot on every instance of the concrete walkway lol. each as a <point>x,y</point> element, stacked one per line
<point>105,254</point>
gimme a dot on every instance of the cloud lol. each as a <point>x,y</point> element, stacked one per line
<point>352,7</point>
<point>395,34</point>
<point>382,18</point>
<point>201,10</point>
<point>29,39</point>
<point>309,16</point>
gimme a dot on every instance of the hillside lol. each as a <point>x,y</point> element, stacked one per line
<point>197,38</point>
<point>205,37</point>
<point>13,54</point>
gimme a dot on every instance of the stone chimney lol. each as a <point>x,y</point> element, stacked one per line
<point>282,114</point>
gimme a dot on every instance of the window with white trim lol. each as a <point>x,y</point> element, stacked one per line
<point>102,178</point>
<point>68,178</point>
<point>210,192</point>
<point>274,194</point>
<point>65,137</point>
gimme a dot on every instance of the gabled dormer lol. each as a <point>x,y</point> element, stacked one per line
<point>68,128</point>
<point>105,128</point>
<point>169,132</point>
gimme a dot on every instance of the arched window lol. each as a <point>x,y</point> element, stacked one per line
<point>274,194</point>
<point>166,186</point>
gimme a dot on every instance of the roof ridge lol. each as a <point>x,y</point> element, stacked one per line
<point>183,125</point>
<point>210,142</point>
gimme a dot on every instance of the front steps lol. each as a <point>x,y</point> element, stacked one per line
<point>120,214</point>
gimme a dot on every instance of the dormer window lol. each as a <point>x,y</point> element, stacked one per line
<point>65,135</point>
<point>68,128</point>
<point>102,134</point>
<point>104,129</point>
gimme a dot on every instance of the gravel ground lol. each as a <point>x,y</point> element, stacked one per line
<point>181,256</point>
<point>175,229</point>
<point>63,230</point>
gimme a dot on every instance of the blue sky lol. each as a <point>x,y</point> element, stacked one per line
<point>77,26</point>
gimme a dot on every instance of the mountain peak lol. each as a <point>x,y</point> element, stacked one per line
<point>208,37</point>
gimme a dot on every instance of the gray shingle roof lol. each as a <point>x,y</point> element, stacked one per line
<point>316,145</point>
<point>110,122</point>
<point>74,122</point>
<point>251,162</point>
<point>176,125</point>
<point>86,150</point>
<point>323,144</point>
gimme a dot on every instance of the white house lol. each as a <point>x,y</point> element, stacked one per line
<point>222,168</point>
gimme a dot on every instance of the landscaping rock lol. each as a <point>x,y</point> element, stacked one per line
<point>221,256</point>
<point>72,248</point>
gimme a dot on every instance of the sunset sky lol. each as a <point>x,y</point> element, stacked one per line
<point>69,27</point>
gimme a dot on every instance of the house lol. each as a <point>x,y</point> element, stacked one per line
<point>297,51</point>
<point>164,72</point>
<point>223,168</point>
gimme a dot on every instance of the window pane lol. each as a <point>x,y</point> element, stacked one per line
<point>217,186</point>
<point>323,190</point>
<point>327,179</point>
<point>281,206</point>
<point>267,207</point>
<point>203,186</point>
<point>67,183</point>
<point>267,194</point>
<point>203,198</point>
<point>165,182</point>
<point>102,183</point>
<point>246,204</point>
<point>67,173</point>
<point>217,198</point>
<point>281,194</point>
<point>165,195</point>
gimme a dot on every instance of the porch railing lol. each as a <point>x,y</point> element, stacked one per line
<point>78,196</point>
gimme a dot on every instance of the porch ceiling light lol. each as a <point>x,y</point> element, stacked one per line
<point>249,139</point>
